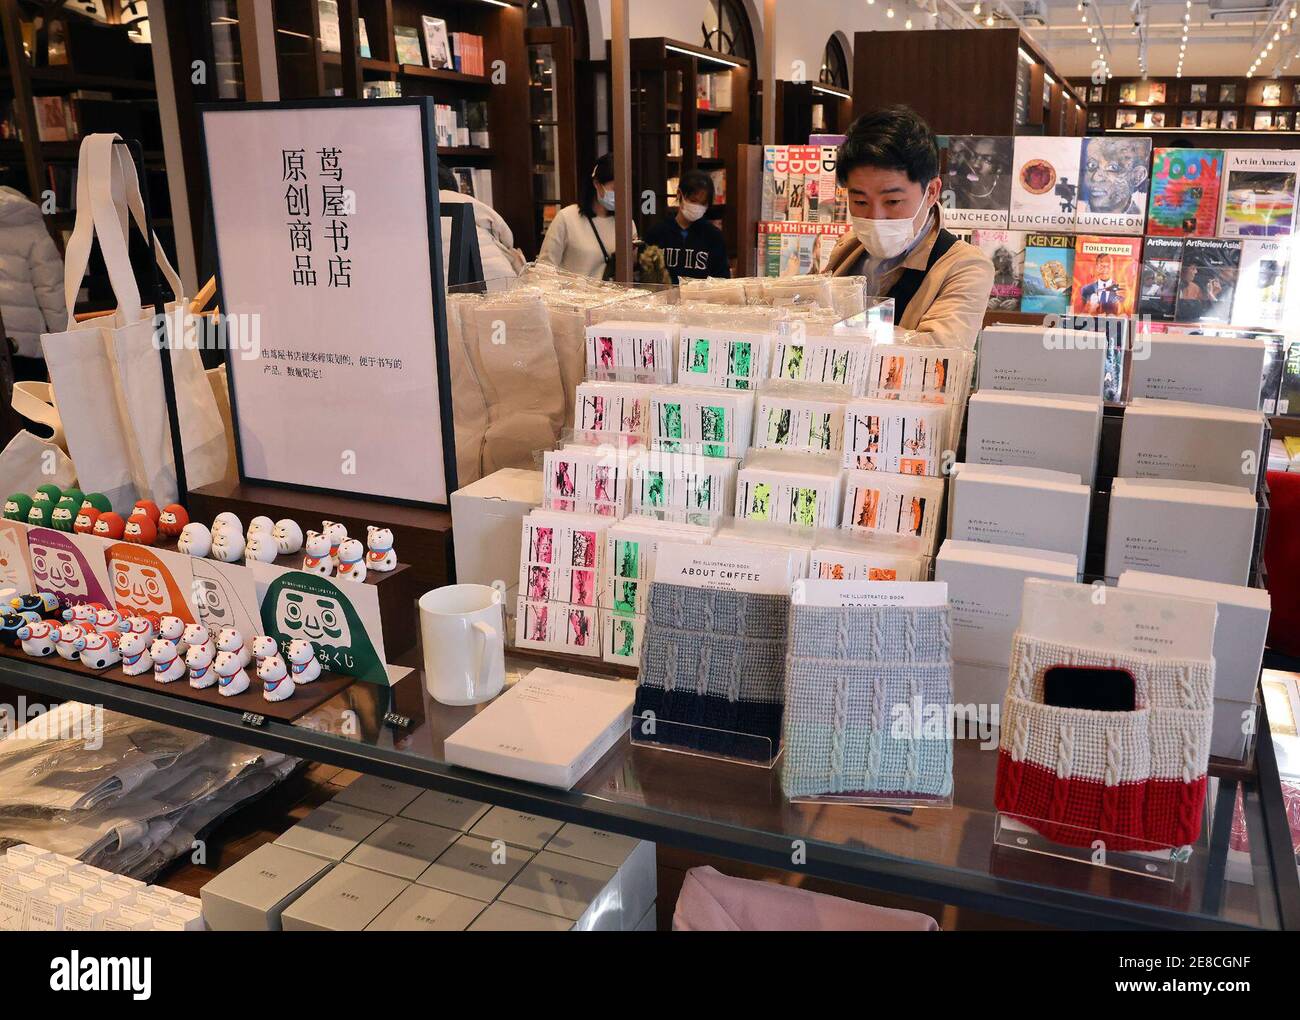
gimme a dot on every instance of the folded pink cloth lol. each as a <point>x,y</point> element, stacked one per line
<point>712,901</point>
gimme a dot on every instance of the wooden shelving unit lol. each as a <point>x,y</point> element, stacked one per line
<point>552,122</point>
<point>797,105</point>
<point>967,82</point>
<point>1177,99</point>
<point>108,79</point>
<point>306,70</point>
<point>664,89</point>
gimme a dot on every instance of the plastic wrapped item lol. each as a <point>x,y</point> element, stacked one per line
<point>725,347</point>
<point>683,487</point>
<point>641,350</point>
<point>789,488</point>
<point>706,421</point>
<point>131,804</point>
<point>606,410</point>
<point>715,291</point>
<point>469,405</point>
<point>797,290</point>
<point>840,555</point>
<point>795,540</point>
<point>908,366</point>
<point>800,418</point>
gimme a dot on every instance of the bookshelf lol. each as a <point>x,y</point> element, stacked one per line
<point>806,108</point>
<point>967,81</point>
<point>669,123</point>
<point>307,68</point>
<point>94,78</point>
<point>1241,99</point>
<point>551,122</point>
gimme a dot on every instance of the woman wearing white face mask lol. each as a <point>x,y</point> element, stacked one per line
<point>581,237</point>
<point>693,247</point>
<point>889,163</point>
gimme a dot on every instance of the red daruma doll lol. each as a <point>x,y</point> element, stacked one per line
<point>85,522</point>
<point>110,525</point>
<point>140,530</point>
<point>172,520</point>
<point>147,507</point>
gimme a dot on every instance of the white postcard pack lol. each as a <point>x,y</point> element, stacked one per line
<point>1026,507</point>
<point>683,486</point>
<point>560,557</point>
<point>620,635</point>
<point>984,588</point>
<point>917,372</point>
<point>1239,636</point>
<point>586,479</point>
<point>708,421</point>
<point>727,358</point>
<point>557,627</point>
<point>1187,529</point>
<point>795,544</point>
<point>613,408</point>
<point>799,418</point>
<point>859,556</point>
<point>800,355</point>
<point>875,501</point>
<point>630,557</point>
<point>789,489</point>
<point>1225,371</point>
<point>632,351</point>
<point>1042,359</point>
<point>1188,442</point>
<point>1055,431</point>
<point>900,436</point>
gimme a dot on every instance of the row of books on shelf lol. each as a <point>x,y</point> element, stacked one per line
<point>474,181</point>
<point>453,51</point>
<point>1117,186</point>
<point>799,183</point>
<point>1209,120</point>
<point>706,143</point>
<point>1271,93</point>
<point>713,91</point>
<point>1195,280</point>
<point>58,117</point>
<point>462,123</point>
<point>794,249</point>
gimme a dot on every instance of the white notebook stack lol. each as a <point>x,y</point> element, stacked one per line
<point>1226,371</point>
<point>1042,359</point>
<point>1191,443</point>
<point>1020,506</point>
<point>1055,431</point>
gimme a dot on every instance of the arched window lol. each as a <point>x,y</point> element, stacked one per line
<point>835,64</point>
<point>550,13</point>
<point>725,28</point>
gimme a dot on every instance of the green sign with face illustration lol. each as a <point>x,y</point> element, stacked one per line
<point>298,605</point>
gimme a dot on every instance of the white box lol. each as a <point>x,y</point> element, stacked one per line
<point>985,584</point>
<point>487,521</point>
<point>508,917</point>
<point>1196,530</point>
<point>517,828</point>
<point>374,793</point>
<point>585,892</point>
<point>1042,359</point>
<point>1019,506</point>
<point>251,894</point>
<point>331,831</point>
<point>402,847</point>
<point>475,868</point>
<point>1191,443</point>
<point>1054,431</point>
<point>1200,369</point>
<point>632,859</point>
<point>1239,635</point>
<point>346,899</point>
<point>420,908</point>
<point>549,728</point>
<point>445,810</point>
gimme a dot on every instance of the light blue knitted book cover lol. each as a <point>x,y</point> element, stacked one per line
<point>865,690</point>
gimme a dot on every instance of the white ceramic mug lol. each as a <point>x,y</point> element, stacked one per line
<point>462,627</point>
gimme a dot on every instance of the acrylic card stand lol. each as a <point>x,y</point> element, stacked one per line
<point>1166,863</point>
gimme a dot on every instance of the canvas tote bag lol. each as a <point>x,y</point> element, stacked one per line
<point>107,372</point>
<point>28,460</point>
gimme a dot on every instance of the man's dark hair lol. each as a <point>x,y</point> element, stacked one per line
<point>895,138</point>
<point>695,181</point>
<point>446,179</point>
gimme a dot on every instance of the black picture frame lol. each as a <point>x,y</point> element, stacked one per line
<point>429,151</point>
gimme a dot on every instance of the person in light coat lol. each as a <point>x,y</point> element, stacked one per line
<point>31,281</point>
<point>500,260</point>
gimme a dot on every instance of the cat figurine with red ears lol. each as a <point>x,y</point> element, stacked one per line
<point>230,674</point>
<point>316,554</point>
<point>352,560</point>
<point>168,663</point>
<point>379,549</point>
<point>134,649</point>
<point>274,674</point>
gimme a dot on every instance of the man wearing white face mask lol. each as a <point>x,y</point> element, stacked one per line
<point>693,247</point>
<point>889,163</point>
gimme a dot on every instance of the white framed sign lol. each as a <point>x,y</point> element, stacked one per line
<point>331,288</point>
